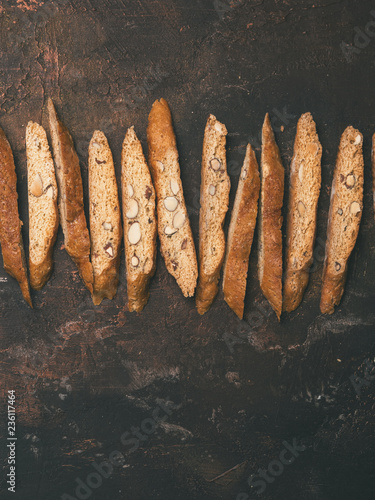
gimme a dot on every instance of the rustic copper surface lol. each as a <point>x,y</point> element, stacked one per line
<point>84,375</point>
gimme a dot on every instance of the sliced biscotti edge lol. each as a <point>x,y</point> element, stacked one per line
<point>241,233</point>
<point>70,198</point>
<point>42,198</point>
<point>176,239</point>
<point>344,217</point>
<point>10,224</point>
<point>214,197</point>
<point>270,219</point>
<point>304,190</point>
<point>105,219</point>
<point>138,205</point>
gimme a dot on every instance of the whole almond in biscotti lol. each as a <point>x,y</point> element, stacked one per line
<point>344,217</point>
<point>43,212</point>
<point>214,198</point>
<point>240,234</point>
<point>138,207</point>
<point>105,219</point>
<point>270,219</point>
<point>304,190</point>
<point>10,224</point>
<point>176,239</point>
<point>70,198</point>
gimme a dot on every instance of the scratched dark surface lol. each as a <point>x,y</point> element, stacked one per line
<point>83,376</point>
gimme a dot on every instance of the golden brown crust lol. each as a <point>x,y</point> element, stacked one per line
<point>212,213</point>
<point>206,291</point>
<point>295,286</point>
<point>344,218</point>
<point>304,189</point>
<point>106,283</point>
<point>72,215</point>
<point>177,248</point>
<point>270,237</point>
<point>240,234</point>
<point>139,290</point>
<point>10,224</point>
<point>160,135</point>
<point>41,273</point>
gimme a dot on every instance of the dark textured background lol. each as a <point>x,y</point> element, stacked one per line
<point>85,375</point>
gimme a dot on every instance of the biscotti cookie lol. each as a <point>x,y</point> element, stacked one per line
<point>344,217</point>
<point>214,198</point>
<point>105,219</point>
<point>70,199</point>
<point>138,202</point>
<point>240,234</point>
<point>270,219</point>
<point>10,224</point>
<point>304,190</point>
<point>176,239</point>
<point>43,212</point>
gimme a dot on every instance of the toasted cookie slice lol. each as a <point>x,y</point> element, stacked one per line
<point>215,187</point>
<point>241,233</point>
<point>10,224</point>
<point>70,199</point>
<point>304,190</point>
<point>105,219</point>
<point>43,212</point>
<point>270,221</point>
<point>176,239</point>
<point>345,213</point>
<point>138,202</point>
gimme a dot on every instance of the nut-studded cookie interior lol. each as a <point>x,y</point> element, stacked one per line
<point>42,193</point>
<point>105,216</point>
<point>138,199</point>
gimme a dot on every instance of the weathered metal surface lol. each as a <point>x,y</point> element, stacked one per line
<point>85,375</point>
